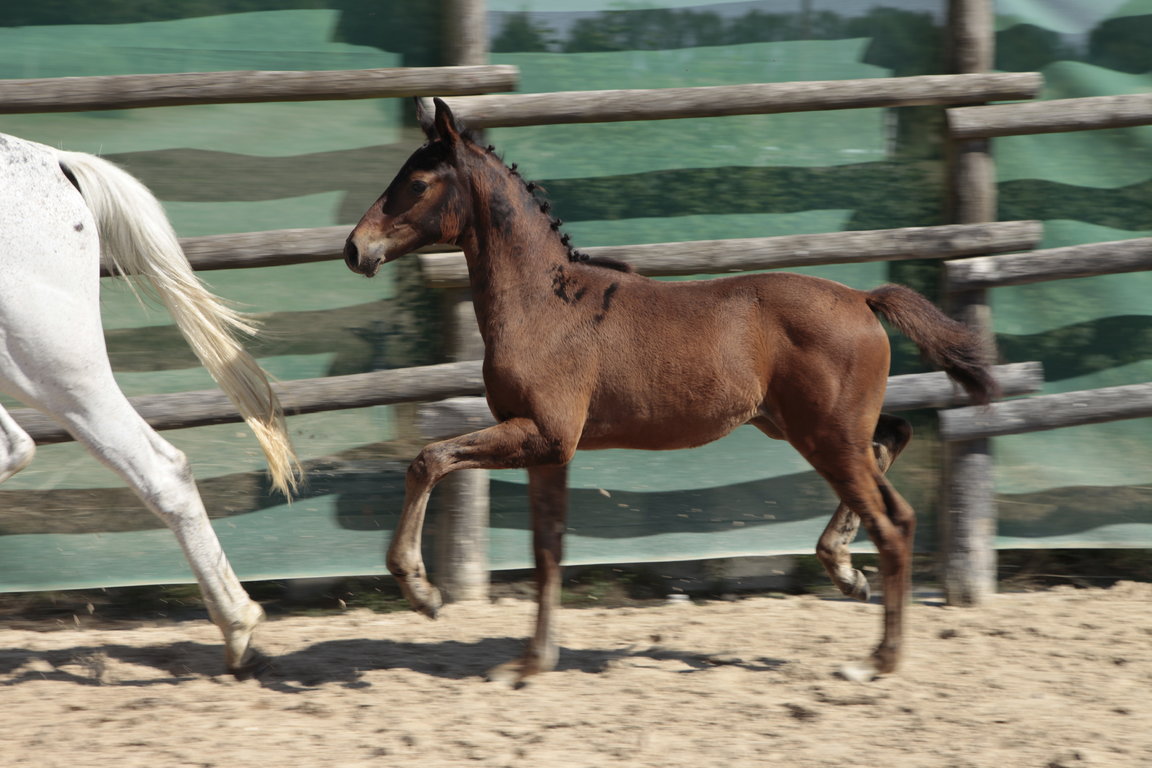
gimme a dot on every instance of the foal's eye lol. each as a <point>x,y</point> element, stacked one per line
<point>418,186</point>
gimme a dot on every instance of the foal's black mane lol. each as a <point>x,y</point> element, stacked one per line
<point>535,190</point>
<point>539,194</point>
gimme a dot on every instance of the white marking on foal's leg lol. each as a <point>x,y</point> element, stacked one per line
<point>858,672</point>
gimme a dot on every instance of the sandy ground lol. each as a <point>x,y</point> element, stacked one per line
<point>1050,679</point>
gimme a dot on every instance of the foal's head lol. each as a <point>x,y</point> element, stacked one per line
<point>427,202</point>
<point>448,188</point>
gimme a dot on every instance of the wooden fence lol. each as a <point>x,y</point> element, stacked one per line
<point>980,243</point>
<point>969,516</point>
<point>446,271</point>
<point>77,94</point>
<point>521,109</point>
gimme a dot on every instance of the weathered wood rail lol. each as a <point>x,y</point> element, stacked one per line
<point>1044,412</point>
<point>270,248</point>
<point>358,390</point>
<point>509,110</point>
<point>444,267</point>
<point>448,270</point>
<point>449,384</point>
<point>1052,116</point>
<point>78,94</point>
<point>1107,258</point>
<point>457,415</point>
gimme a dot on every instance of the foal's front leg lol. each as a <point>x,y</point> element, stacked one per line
<point>548,496</point>
<point>511,444</point>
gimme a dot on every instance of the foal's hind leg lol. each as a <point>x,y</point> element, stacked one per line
<point>838,446</point>
<point>891,524</point>
<point>890,438</point>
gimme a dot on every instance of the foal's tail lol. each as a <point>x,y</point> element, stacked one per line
<point>947,344</point>
<point>138,239</point>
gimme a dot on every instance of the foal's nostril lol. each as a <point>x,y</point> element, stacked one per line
<point>351,254</point>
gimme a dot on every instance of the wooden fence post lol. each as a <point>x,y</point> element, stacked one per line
<point>462,498</point>
<point>465,32</point>
<point>967,512</point>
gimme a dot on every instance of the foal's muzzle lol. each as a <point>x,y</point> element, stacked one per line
<point>364,260</point>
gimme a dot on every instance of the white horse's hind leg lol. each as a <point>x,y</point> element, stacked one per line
<point>104,421</point>
<point>16,447</point>
<point>163,479</point>
<point>52,357</point>
<point>97,414</point>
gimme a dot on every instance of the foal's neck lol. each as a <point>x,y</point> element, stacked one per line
<point>507,217</point>
<point>513,246</point>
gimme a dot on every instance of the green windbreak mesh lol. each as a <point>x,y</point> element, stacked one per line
<point>698,179</point>
<point>66,521</point>
<point>1087,485</point>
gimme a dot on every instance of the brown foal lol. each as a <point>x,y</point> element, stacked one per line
<point>584,354</point>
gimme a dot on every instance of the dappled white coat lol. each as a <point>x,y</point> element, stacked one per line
<point>53,356</point>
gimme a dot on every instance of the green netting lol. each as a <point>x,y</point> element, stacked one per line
<point>1087,485</point>
<point>66,521</point>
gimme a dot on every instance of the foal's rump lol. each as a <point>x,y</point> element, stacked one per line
<point>813,312</point>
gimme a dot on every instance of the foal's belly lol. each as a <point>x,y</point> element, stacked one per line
<point>661,429</point>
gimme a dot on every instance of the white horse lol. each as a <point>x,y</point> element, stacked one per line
<point>57,211</point>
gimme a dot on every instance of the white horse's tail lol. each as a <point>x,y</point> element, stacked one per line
<point>137,238</point>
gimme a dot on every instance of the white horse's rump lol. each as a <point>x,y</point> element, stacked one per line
<point>52,353</point>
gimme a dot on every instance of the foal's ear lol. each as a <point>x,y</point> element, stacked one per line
<point>425,119</point>
<point>445,123</point>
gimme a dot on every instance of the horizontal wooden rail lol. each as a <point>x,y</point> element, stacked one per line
<point>449,380</point>
<point>935,390</point>
<point>1035,414</point>
<point>448,270</point>
<point>748,99</point>
<point>457,415</point>
<point>78,94</point>
<point>273,248</point>
<point>1072,261</point>
<point>1053,116</point>
<point>358,390</point>
<point>282,247</point>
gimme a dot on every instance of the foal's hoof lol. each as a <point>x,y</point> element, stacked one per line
<point>858,672</point>
<point>882,662</point>
<point>423,597</point>
<point>514,674</point>
<point>859,589</point>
